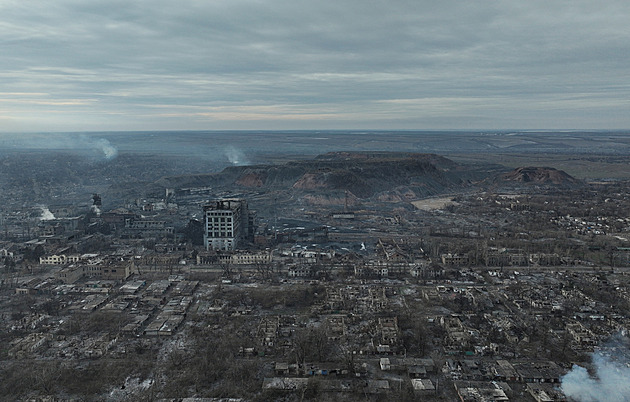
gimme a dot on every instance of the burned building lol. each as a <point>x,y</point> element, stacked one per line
<point>227,224</point>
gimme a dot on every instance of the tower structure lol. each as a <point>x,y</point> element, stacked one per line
<point>226,224</point>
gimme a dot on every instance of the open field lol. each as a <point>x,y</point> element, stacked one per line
<point>432,204</point>
<point>582,166</point>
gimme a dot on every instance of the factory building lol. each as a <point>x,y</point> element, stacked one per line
<point>226,224</point>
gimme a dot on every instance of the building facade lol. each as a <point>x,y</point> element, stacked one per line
<point>226,224</point>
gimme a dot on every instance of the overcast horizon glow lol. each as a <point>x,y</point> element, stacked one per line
<point>72,65</point>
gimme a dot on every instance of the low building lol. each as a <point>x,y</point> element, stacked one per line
<point>474,391</point>
<point>70,274</point>
<point>537,372</point>
<point>422,387</point>
<point>263,257</point>
<point>455,259</point>
<point>59,259</point>
<point>546,393</point>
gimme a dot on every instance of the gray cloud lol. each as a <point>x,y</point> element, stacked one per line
<point>113,65</point>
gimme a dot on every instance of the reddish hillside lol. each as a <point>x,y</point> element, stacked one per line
<point>540,175</point>
<point>399,176</point>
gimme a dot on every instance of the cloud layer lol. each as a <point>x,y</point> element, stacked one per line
<point>279,64</point>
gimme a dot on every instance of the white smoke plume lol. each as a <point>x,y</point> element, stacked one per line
<point>236,156</point>
<point>107,148</point>
<point>88,144</point>
<point>611,380</point>
<point>46,214</point>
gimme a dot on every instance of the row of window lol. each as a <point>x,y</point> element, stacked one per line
<point>215,213</point>
<point>220,234</point>
<point>220,228</point>
<point>223,245</point>
<point>219,220</point>
<point>226,213</point>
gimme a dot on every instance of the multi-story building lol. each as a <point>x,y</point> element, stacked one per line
<point>226,224</point>
<point>147,227</point>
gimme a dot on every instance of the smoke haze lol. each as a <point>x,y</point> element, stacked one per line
<point>611,380</point>
<point>107,148</point>
<point>236,156</point>
<point>91,146</point>
<point>46,214</point>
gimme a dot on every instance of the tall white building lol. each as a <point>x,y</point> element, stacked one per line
<point>226,224</point>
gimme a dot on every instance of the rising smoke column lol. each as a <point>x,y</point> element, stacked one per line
<point>46,214</point>
<point>611,382</point>
<point>97,202</point>
<point>81,143</point>
<point>97,144</point>
<point>236,156</point>
<point>109,151</point>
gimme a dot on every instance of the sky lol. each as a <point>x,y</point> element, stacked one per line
<point>77,65</point>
